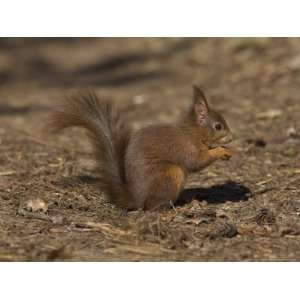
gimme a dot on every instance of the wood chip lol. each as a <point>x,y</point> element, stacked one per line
<point>7,173</point>
<point>270,114</point>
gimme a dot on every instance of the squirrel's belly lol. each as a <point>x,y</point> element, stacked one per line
<point>155,186</point>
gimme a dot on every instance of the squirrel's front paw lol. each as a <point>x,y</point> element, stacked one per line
<point>224,153</point>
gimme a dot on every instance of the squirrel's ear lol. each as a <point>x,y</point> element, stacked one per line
<point>200,105</point>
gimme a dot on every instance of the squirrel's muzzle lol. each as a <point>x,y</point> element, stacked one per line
<point>227,139</point>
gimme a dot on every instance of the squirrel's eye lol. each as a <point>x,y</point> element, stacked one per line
<point>218,126</point>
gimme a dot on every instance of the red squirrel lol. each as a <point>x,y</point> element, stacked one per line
<point>146,169</point>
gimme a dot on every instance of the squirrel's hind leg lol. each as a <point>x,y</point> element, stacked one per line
<point>165,188</point>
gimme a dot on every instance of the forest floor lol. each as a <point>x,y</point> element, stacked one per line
<point>245,209</point>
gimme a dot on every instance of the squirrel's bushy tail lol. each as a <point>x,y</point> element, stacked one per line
<point>109,136</point>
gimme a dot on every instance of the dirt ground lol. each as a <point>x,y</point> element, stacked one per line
<point>246,209</point>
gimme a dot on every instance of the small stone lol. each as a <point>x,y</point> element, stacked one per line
<point>292,132</point>
<point>139,99</point>
<point>195,204</point>
<point>36,205</point>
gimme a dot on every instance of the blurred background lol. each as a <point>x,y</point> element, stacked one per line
<point>257,73</point>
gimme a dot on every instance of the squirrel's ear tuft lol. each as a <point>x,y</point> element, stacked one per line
<point>200,105</point>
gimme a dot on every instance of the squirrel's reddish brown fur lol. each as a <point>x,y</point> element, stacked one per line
<point>146,169</point>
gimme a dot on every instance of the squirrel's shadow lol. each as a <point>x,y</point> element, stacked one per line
<point>228,191</point>
<point>220,193</point>
<point>216,194</point>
